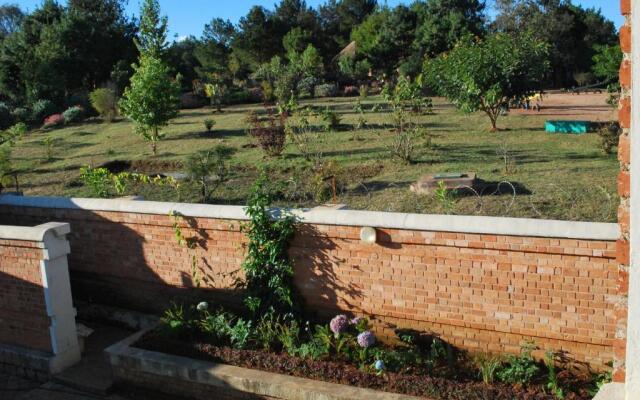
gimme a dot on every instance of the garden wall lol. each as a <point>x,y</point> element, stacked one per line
<point>37,319</point>
<point>481,283</point>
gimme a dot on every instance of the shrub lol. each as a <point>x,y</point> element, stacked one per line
<point>105,102</point>
<point>270,134</point>
<point>47,142</point>
<point>520,369</point>
<point>209,169</point>
<point>190,101</point>
<point>208,124</point>
<point>363,91</point>
<point>41,109</point>
<point>21,114</point>
<point>256,94</point>
<point>487,365</point>
<point>80,99</point>
<point>6,118</point>
<point>53,120</point>
<point>351,91</point>
<point>97,179</point>
<point>325,90</point>
<point>306,86</point>
<point>609,137</point>
<point>330,119</point>
<point>245,96</point>
<point>73,114</point>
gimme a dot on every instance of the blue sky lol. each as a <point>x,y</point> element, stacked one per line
<point>188,17</point>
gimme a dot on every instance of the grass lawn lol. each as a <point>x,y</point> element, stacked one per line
<point>556,176</point>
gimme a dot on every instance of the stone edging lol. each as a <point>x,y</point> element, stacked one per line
<point>328,216</point>
<point>226,377</point>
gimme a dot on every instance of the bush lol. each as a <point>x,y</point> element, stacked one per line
<point>208,168</point>
<point>105,102</point>
<point>6,118</point>
<point>609,137</point>
<point>330,119</point>
<point>242,96</point>
<point>73,114</point>
<point>270,134</point>
<point>42,109</point>
<point>351,91</point>
<point>21,114</point>
<point>208,124</point>
<point>80,100</point>
<point>326,90</point>
<point>256,94</point>
<point>53,120</point>
<point>306,86</point>
<point>189,101</point>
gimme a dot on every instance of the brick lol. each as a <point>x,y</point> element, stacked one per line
<point>625,74</point>
<point>625,39</point>
<point>624,149</point>
<point>622,252</point>
<point>625,7</point>
<point>624,112</point>
<point>624,184</point>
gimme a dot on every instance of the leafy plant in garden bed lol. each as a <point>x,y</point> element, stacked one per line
<point>346,351</point>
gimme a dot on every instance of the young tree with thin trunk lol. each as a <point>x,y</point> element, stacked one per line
<point>153,96</point>
<point>488,75</point>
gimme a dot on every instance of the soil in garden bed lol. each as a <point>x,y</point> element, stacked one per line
<point>346,374</point>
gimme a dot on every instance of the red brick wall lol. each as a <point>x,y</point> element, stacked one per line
<point>477,291</point>
<point>624,155</point>
<point>23,317</point>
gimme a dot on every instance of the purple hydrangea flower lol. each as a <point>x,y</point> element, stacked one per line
<point>339,324</point>
<point>366,339</point>
<point>356,320</point>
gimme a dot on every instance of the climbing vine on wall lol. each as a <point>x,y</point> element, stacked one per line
<point>267,267</point>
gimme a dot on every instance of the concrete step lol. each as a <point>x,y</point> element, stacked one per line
<point>93,374</point>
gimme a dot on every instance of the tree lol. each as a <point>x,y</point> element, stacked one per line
<point>385,38</point>
<point>488,74</point>
<point>606,62</point>
<point>442,23</point>
<point>58,52</point>
<point>214,49</point>
<point>257,41</point>
<point>152,99</point>
<point>11,16</point>
<point>571,31</point>
<point>606,65</point>
<point>152,39</point>
<point>209,169</point>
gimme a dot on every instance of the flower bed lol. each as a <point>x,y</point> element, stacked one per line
<point>346,352</point>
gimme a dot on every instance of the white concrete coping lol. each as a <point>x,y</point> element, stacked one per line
<point>34,233</point>
<point>327,216</point>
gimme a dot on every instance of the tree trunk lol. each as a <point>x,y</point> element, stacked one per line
<point>494,120</point>
<point>154,141</point>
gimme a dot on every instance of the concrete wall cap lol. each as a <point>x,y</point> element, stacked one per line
<point>325,216</point>
<point>35,233</point>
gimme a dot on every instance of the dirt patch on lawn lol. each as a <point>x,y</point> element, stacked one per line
<point>568,106</point>
<point>149,167</point>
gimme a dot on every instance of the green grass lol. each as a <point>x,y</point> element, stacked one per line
<point>563,176</point>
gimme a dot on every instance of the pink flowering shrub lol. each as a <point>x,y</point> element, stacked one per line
<point>350,91</point>
<point>53,120</point>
